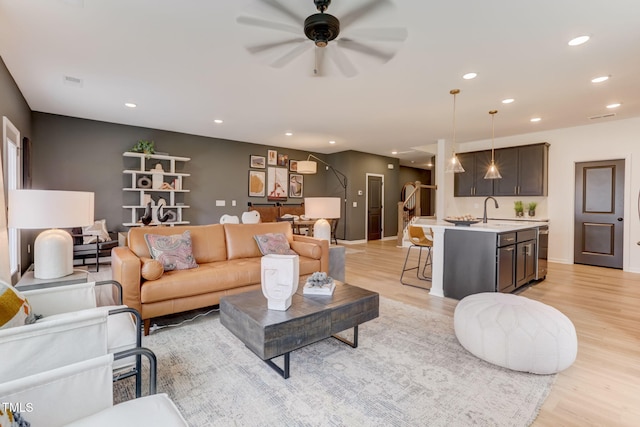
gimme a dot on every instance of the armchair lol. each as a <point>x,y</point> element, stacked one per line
<point>81,394</point>
<point>70,315</point>
<point>88,246</point>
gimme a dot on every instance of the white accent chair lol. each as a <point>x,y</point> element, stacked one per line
<point>251,217</point>
<point>229,219</point>
<point>81,394</point>
<point>73,328</point>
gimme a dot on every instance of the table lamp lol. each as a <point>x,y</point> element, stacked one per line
<point>35,209</point>
<point>322,208</point>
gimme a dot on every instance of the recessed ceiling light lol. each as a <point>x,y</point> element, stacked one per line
<point>535,119</point>
<point>288,133</point>
<point>614,105</point>
<point>470,76</point>
<point>578,40</point>
<point>130,105</point>
<point>600,79</point>
<point>508,101</point>
<point>429,164</point>
<point>218,121</point>
<point>394,152</point>
<point>332,142</point>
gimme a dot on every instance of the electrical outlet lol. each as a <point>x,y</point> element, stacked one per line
<point>221,203</point>
<point>355,204</point>
<point>233,203</point>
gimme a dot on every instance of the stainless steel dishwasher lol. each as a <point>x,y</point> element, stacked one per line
<point>543,249</point>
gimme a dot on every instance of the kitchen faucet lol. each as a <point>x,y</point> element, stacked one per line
<point>484,215</point>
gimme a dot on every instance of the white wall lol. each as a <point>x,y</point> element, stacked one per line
<point>618,139</point>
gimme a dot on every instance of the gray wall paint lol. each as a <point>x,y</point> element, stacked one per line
<point>85,155</point>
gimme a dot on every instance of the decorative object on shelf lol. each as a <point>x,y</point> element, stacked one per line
<point>143,146</point>
<point>519,207</point>
<point>319,283</point>
<point>163,217</point>
<point>322,208</point>
<point>257,162</point>
<point>157,176</point>
<point>296,185</point>
<point>147,217</point>
<point>453,164</point>
<point>279,279</point>
<point>277,184</point>
<point>272,157</point>
<point>532,208</point>
<point>256,183</point>
<point>144,182</point>
<point>493,172</point>
<point>166,186</point>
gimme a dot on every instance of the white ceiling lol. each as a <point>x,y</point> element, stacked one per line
<point>185,63</point>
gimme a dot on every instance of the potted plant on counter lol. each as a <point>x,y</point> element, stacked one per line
<point>532,208</point>
<point>519,207</point>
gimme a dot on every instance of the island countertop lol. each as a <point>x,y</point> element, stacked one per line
<point>492,225</point>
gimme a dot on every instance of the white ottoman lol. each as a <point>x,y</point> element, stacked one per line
<point>516,332</point>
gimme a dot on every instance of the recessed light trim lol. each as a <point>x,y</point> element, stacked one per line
<point>600,79</point>
<point>614,105</point>
<point>332,142</point>
<point>470,76</point>
<point>577,41</point>
<point>218,121</point>
<point>535,119</point>
<point>130,105</point>
<point>394,152</point>
<point>288,133</point>
<point>508,101</point>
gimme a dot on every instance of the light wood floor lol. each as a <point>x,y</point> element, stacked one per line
<point>602,388</point>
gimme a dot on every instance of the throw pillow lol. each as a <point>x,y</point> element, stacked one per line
<point>152,269</point>
<point>273,243</point>
<point>174,252</point>
<point>96,231</point>
<point>15,310</point>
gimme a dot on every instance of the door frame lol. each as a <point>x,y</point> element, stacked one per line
<point>366,210</point>
<point>626,227</point>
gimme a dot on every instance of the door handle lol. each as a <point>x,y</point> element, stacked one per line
<point>619,219</point>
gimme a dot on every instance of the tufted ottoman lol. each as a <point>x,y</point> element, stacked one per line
<point>516,332</point>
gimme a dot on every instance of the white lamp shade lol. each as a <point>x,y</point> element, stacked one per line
<point>322,207</point>
<point>35,209</point>
<point>307,167</point>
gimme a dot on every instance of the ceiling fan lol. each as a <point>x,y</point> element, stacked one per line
<point>322,30</point>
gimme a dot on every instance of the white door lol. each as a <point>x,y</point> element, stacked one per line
<point>12,178</point>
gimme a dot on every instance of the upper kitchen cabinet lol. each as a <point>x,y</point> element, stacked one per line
<point>523,169</point>
<point>471,182</point>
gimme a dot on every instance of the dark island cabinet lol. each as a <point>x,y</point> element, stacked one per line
<point>471,182</point>
<point>524,170</point>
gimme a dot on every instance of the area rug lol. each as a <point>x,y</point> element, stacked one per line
<point>408,370</point>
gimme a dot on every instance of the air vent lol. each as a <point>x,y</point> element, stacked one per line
<point>72,81</point>
<point>603,116</point>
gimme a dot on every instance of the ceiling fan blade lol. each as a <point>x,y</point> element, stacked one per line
<point>342,62</point>
<point>395,34</point>
<point>291,55</point>
<point>257,22</point>
<point>266,46</point>
<point>275,4</point>
<point>360,12</point>
<point>367,50</point>
<point>318,69</point>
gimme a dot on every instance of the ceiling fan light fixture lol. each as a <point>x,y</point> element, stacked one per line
<point>321,28</point>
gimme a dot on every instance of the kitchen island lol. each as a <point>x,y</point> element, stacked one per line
<point>497,256</point>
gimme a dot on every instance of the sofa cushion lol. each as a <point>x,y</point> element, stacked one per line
<point>173,251</point>
<point>274,243</point>
<point>241,242</point>
<point>151,269</point>
<point>208,241</point>
<point>15,310</point>
<point>306,249</point>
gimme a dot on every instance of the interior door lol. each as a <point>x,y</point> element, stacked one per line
<point>374,208</point>
<point>599,209</point>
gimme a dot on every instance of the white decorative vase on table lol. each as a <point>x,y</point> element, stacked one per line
<point>279,278</point>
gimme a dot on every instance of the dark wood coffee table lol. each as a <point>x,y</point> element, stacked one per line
<point>311,318</point>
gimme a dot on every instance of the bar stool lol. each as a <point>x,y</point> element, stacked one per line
<point>418,240</point>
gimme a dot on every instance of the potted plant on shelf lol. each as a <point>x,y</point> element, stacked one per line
<point>532,208</point>
<point>143,146</point>
<point>519,207</point>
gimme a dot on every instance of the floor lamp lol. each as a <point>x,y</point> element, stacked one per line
<point>309,167</point>
<point>37,209</point>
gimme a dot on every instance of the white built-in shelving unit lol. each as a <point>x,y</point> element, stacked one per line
<point>175,194</point>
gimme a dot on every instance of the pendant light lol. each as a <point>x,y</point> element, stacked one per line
<point>493,172</point>
<point>453,164</point>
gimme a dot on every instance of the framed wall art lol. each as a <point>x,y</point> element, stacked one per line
<point>277,184</point>
<point>296,185</point>
<point>283,160</point>
<point>258,162</point>
<point>256,183</point>
<point>293,165</point>
<point>272,157</point>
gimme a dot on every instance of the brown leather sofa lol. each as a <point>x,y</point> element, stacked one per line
<point>228,260</point>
